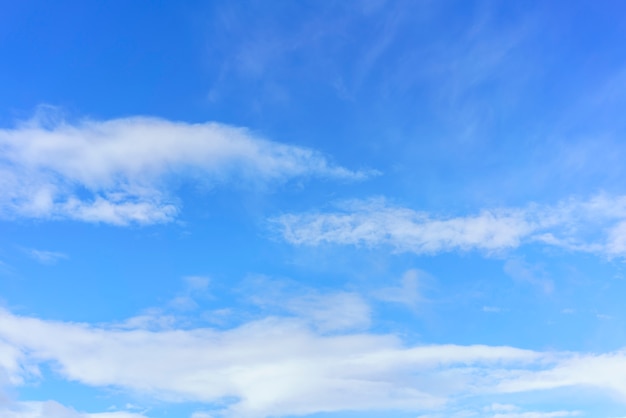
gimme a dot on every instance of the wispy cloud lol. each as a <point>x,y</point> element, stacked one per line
<point>180,310</point>
<point>597,225</point>
<point>325,311</point>
<point>337,311</point>
<point>195,287</point>
<point>522,271</point>
<point>408,293</point>
<point>46,257</point>
<point>116,171</point>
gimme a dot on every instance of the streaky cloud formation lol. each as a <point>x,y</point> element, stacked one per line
<point>116,171</point>
<point>596,225</point>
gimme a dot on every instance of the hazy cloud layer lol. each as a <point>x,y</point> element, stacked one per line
<point>116,171</point>
<point>594,225</point>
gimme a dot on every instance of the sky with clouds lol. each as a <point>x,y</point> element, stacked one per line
<point>324,209</point>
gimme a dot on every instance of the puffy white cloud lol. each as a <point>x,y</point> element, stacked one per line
<point>594,225</point>
<point>116,171</point>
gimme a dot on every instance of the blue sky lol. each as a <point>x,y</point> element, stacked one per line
<point>322,209</point>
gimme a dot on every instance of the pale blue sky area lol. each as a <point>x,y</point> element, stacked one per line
<point>254,209</point>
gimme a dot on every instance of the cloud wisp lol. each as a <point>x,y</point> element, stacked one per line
<point>116,171</point>
<point>597,225</point>
<point>44,256</point>
<point>259,366</point>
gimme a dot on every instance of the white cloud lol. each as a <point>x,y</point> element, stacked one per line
<point>261,363</point>
<point>53,409</point>
<point>616,243</point>
<point>116,171</point>
<point>594,225</point>
<point>201,415</point>
<point>604,371</point>
<point>374,223</point>
<point>280,366</point>
<point>14,366</point>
